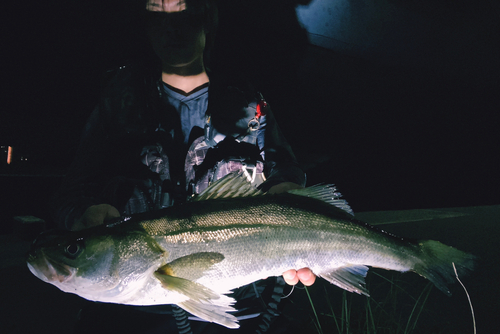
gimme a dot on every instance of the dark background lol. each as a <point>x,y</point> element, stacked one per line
<point>411,130</point>
<point>391,135</point>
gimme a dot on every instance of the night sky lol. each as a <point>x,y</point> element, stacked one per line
<point>390,136</point>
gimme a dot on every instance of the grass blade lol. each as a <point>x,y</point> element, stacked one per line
<point>426,291</point>
<point>314,311</point>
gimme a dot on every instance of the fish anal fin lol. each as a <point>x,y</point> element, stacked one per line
<point>348,277</point>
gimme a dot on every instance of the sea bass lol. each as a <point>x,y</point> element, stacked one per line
<point>193,254</point>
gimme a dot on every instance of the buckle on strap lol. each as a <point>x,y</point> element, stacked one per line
<point>253,124</point>
<point>245,168</point>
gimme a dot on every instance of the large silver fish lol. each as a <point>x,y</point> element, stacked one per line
<point>192,255</point>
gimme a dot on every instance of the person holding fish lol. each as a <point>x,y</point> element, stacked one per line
<point>166,127</point>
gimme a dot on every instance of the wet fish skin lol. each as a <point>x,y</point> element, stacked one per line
<point>191,255</point>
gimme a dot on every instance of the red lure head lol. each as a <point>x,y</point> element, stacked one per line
<point>261,108</point>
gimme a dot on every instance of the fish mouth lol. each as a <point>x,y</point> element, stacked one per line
<point>42,265</point>
<point>49,270</point>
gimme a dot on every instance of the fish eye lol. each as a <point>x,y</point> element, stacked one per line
<point>73,249</point>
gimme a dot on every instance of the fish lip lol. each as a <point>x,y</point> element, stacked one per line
<point>63,272</point>
<point>49,269</point>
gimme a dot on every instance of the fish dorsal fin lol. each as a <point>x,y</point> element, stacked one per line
<point>348,277</point>
<point>230,186</point>
<point>236,184</point>
<point>327,193</point>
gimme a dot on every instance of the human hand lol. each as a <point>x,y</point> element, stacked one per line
<point>283,187</point>
<point>95,215</point>
<point>305,275</point>
<point>292,276</point>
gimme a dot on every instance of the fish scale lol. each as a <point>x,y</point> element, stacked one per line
<point>193,254</point>
<point>284,240</point>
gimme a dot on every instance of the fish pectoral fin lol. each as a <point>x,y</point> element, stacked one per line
<point>349,277</point>
<point>213,312</point>
<point>192,266</point>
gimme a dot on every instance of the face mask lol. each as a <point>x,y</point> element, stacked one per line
<point>176,37</point>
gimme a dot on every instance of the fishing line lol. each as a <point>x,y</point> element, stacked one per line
<point>468,297</point>
<point>293,286</point>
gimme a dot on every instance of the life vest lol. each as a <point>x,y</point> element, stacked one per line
<point>215,155</point>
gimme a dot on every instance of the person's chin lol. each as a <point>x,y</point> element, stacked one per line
<point>180,62</point>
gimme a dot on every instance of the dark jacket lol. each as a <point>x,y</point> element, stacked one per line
<point>109,165</point>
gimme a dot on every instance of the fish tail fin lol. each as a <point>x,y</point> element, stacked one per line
<point>437,264</point>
